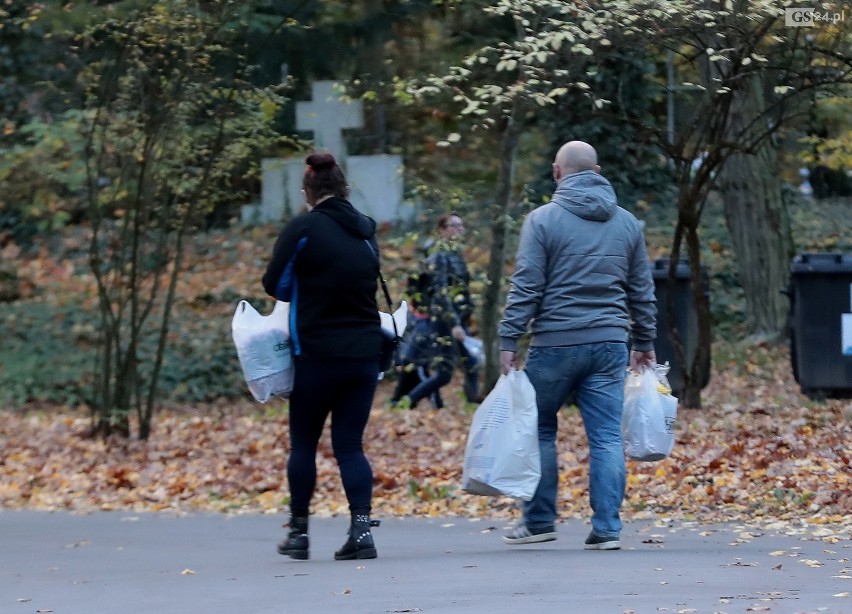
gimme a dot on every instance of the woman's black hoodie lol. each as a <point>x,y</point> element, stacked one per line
<point>323,266</point>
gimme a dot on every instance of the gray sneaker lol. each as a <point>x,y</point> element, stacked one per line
<point>521,534</point>
<point>598,542</point>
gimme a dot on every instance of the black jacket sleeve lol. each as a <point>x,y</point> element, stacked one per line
<point>277,280</point>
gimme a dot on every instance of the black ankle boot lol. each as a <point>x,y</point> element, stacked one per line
<point>360,544</point>
<point>296,544</point>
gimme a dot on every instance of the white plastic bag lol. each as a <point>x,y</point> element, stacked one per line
<point>400,317</point>
<point>476,349</point>
<point>263,347</point>
<point>502,455</point>
<point>647,423</point>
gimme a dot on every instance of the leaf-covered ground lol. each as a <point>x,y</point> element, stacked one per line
<point>758,451</point>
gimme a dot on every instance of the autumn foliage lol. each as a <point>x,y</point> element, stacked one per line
<point>759,450</point>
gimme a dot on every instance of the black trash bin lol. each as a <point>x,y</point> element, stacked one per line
<point>685,320</point>
<point>820,322</point>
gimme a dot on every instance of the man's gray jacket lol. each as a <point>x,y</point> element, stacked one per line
<point>581,273</point>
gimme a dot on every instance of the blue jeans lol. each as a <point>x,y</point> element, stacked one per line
<point>432,350</point>
<point>595,373</point>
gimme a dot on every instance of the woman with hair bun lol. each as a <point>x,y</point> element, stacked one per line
<point>325,264</point>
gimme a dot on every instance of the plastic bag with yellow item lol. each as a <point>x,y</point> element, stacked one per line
<point>647,422</point>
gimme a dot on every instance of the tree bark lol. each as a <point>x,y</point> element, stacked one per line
<point>693,368</point>
<point>372,69</point>
<point>491,297</point>
<point>757,219</point>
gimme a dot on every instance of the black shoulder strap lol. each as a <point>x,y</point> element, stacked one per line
<point>384,285</point>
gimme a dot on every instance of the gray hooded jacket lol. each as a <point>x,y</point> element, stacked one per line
<point>581,273</point>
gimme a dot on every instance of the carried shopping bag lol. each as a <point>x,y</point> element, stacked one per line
<point>475,350</point>
<point>263,347</point>
<point>502,455</point>
<point>393,327</point>
<point>647,422</point>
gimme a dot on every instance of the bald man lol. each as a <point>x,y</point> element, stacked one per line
<point>583,286</point>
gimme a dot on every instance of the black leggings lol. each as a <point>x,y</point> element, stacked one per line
<point>344,389</point>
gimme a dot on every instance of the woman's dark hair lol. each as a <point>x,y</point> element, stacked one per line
<point>323,177</point>
<point>445,219</point>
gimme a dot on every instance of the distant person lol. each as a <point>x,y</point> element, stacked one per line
<point>442,312</point>
<point>416,354</point>
<point>583,281</point>
<point>324,267</point>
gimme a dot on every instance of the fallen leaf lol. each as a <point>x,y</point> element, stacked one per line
<point>739,563</point>
<point>187,572</point>
<point>84,542</point>
<point>759,453</point>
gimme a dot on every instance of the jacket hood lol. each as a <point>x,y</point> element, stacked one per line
<point>348,217</point>
<point>588,195</point>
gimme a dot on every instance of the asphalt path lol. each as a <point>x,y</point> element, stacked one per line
<point>124,562</point>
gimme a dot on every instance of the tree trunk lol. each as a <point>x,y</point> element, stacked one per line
<point>491,298</point>
<point>757,219</point>
<point>372,69</point>
<point>686,230</point>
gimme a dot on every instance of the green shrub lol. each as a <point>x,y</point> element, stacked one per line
<point>48,356</point>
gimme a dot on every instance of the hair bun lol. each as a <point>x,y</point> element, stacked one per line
<point>321,161</point>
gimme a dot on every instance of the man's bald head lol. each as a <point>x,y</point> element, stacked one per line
<point>574,157</point>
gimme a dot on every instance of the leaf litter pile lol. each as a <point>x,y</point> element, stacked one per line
<point>758,451</point>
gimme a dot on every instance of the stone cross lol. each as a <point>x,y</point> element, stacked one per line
<point>376,182</point>
<point>327,115</point>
